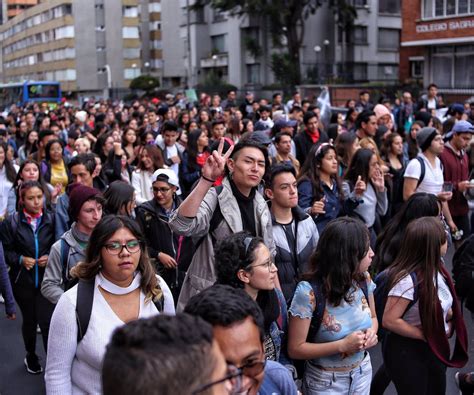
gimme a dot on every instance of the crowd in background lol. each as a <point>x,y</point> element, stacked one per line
<point>263,221</point>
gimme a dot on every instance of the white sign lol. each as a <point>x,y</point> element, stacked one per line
<point>443,26</point>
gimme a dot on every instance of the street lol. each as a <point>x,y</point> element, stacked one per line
<point>15,380</point>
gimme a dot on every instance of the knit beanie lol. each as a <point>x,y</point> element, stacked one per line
<point>425,136</point>
<point>77,197</point>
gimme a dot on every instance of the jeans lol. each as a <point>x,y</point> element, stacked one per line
<point>353,382</point>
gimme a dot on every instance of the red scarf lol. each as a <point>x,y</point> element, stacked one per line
<point>438,341</point>
<point>313,136</point>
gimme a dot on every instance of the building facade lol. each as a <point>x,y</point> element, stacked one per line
<point>89,46</point>
<point>239,49</point>
<point>437,44</point>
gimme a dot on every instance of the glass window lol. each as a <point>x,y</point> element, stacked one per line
<point>389,39</point>
<point>359,3</point>
<point>130,12</point>
<point>463,6</point>
<point>450,7</point>
<point>218,43</point>
<point>416,68</point>
<point>64,32</point>
<point>464,71</point>
<point>389,6</point>
<point>442,71</point>
<point>360,35</point>
<point>253,73</point>
<point>439,7</point>
<point>131,53</point>
<point>130,32</point>
<point>37,91</point>
<point>387,72</point>
<point>360,71</point>
<point>154,7</point>
<point>131,73</point>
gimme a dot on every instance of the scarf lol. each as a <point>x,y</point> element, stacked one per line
<point>438,341</point>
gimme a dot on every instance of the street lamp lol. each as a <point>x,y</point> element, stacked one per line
<point>135,70</point>
<point>326,51</point>
<point>146,65</point>
<point>317,51</point>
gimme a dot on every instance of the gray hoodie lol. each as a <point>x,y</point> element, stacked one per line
<point>52,286</point>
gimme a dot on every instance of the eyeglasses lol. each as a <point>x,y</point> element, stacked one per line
<point>253,368</point>
<point>268,264</point>
<point>116,248</point>
<point>164,191</point>
<point>233,376</point>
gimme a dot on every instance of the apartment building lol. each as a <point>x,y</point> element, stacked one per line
<point>87,45</point>
<point>11,8</point>
<point>437,44</point>
<point>238,49</point>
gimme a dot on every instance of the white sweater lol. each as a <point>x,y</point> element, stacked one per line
<point>73,368</point>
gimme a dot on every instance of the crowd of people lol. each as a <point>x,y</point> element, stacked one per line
<point>226,246</point>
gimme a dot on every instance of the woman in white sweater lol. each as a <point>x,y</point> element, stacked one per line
<point>122,287</point>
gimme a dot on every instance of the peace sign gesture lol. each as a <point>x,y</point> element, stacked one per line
<point>215,163</point>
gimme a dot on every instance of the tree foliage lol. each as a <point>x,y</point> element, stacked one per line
<point>285,21</point>
<point>145,83</point>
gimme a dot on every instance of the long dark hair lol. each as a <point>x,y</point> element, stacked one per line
<point>235,253</point>
<point>155,154</point>
<point>10,171</point>
<point>30,148</point>
<point>192,147</point>
<point>25,187</point>
<point>102,232</point>
<point>387,147</point>
<point>412,144</point>
<point>344,143</point>
<point>117,196</point>
<point>359,166</point>
<point>311,170</point>
<point>344,242</point>
<point>19,180</point>
<point>389,242</point>
<point>421,253</point>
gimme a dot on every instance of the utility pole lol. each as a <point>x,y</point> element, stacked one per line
<point>190,81</point>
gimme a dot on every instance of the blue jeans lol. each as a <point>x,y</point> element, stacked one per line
<point>353,382</point>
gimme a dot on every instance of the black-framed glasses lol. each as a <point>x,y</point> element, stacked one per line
<point>116,248</point>
<point>164,191</point>
<point>233,376</point>
<point>253,368</point>
<point>268,264</point>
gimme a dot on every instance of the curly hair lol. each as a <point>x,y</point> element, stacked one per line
<point>232,255</point>
<point>101,234</point>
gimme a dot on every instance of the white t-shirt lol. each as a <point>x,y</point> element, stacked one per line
<point>433,179</point>
<point>405,289</point>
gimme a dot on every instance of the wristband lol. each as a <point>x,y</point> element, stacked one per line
<point>208,179</point>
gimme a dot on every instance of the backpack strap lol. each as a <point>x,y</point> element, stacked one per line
<point>84,301</point>
<point>64,260</point>
<point>422,172</point>
<point>318,312</point>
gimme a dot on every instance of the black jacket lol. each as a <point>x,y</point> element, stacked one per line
<point>19,240</point>
<point>303,144</point>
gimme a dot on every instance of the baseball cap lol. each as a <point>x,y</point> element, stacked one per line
<point>462,127</point>
<point>165,175</point>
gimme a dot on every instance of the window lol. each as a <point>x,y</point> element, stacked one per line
<point>130,74</point>
<point>217,15</point>
<point>155,25</point>
<point>154,7</point>
<point>64,32</point>
<point>130,32</point>
<point>131,53</point>
<point>416,68</point>
<point>157,44</point>
<point>359,35</point>
<point>360,71</point>
<point>130,12</point>
<point>359,3</point>
<point>389,39</point>
<point>389,7</point>
<point>197,15</point>
<point>218,43</point>
<point>387,72</point>
<point>253,73</point>
<point>442,8</point>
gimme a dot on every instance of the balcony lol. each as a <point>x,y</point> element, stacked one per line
<point>216,60</point>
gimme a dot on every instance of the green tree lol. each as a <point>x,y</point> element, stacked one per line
<point>145,83</point>
<point>286,22</point>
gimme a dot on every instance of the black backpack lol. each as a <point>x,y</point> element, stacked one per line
<point>463,268</point>
<point>84,301</point>
<point>380,298</point>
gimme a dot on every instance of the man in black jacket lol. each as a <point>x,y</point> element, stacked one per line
<point>310,136</point>
<point>164,246</point>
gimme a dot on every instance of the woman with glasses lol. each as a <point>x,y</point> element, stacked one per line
<point>166,248</point>
<point>332,315</point>
<point>125,288</point>
<point>27,237</point>
<point>319,187</point>
<point>243,261</point>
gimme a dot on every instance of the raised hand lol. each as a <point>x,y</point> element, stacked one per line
<point>378,181</point>
<point>318,206</point>
<point>359,187</point>
<point>215,163</point>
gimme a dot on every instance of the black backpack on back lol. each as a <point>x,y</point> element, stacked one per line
<point>463,267</point>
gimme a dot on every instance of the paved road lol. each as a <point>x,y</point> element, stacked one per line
<point>15,381</point>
